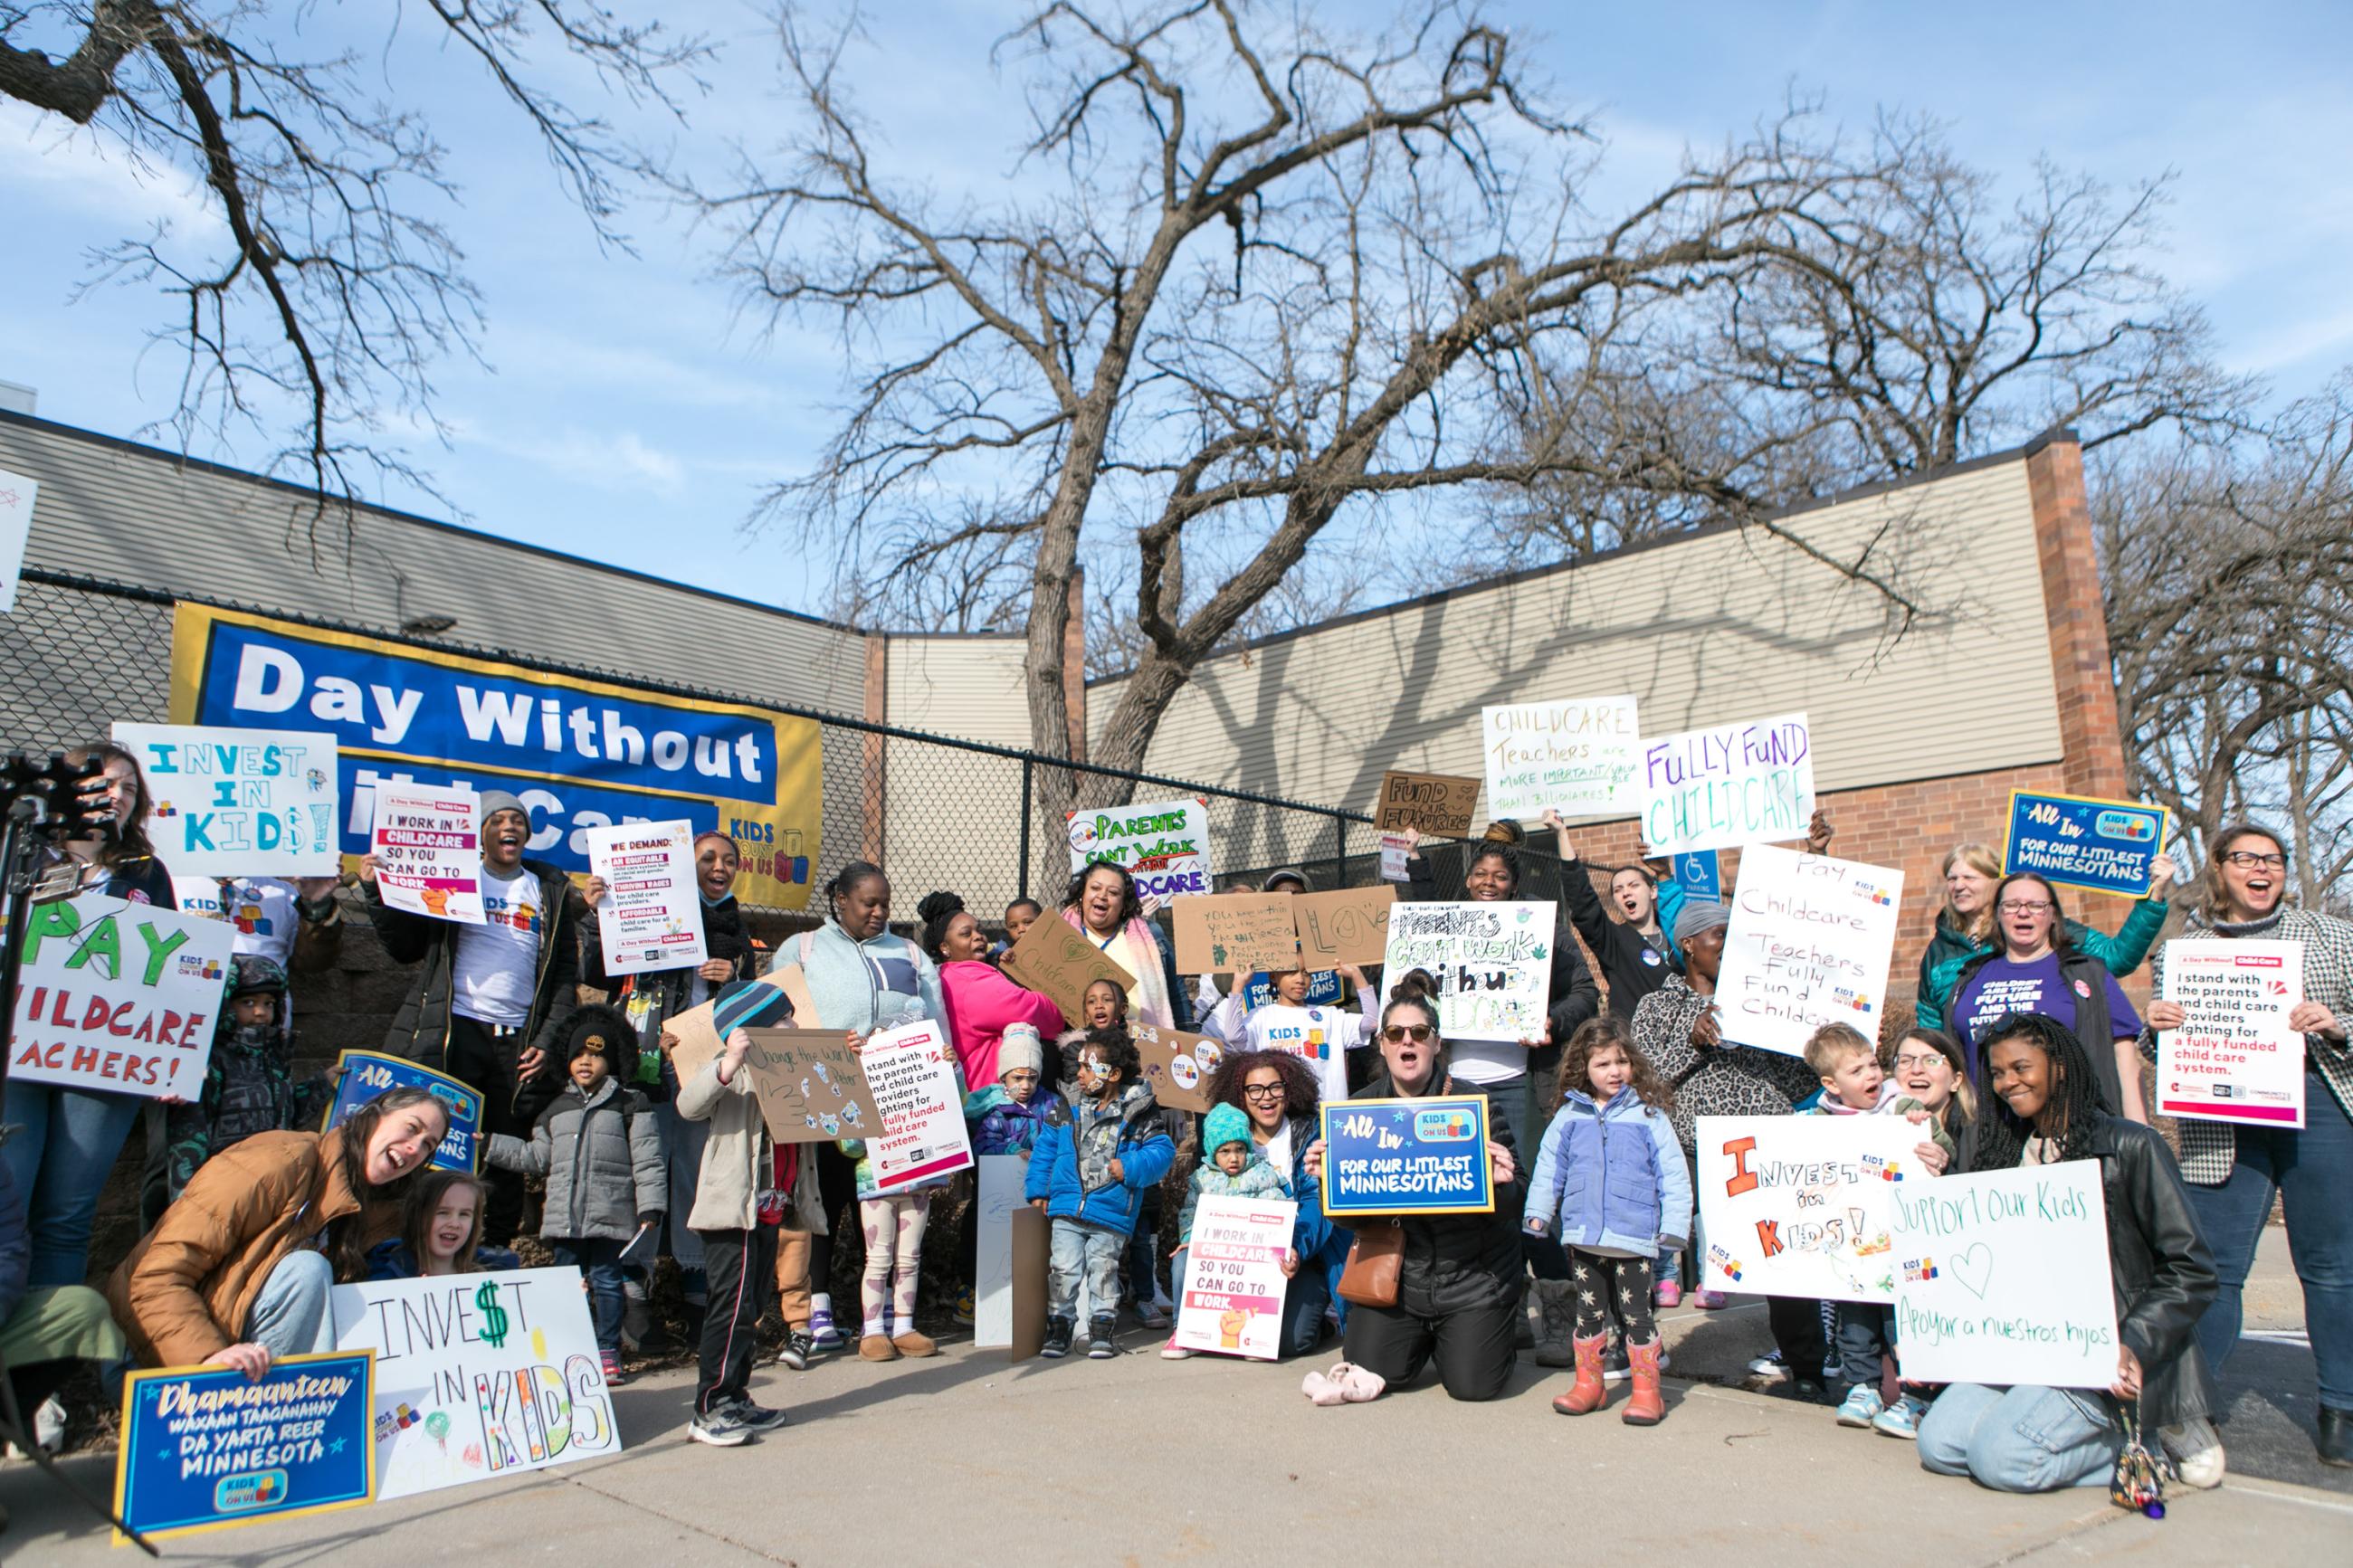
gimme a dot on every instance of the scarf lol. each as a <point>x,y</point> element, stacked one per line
<point>1151,1001</point>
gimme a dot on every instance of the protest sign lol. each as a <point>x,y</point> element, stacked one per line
<point>1032,1245</point>
<point>811,1085</point>
<point>697,1028</point>
<point>1001,1180</point>
<point>208,1448</point>
<point>1804,1206</point>
<point>1396,850</point>
<point>1177,1065</point>
<point>1165,846</point>
<point>1492,963</point>
<point>2234,1058</point>
<point>1577,757</point>
<point>1348,926</point>
<point>361,1076</point>
<point>2002,1278</point>
<point>651,917</point>
<point>1056,960</point>
<point>580,754</point>
<point>1324,989</point>
<point>2078,841</point>
<point>478,1375</point>
<point>1700,876</point>
<point>17,494</point>
<point>1235,932</point>
<point>1727,786</point>
<point>1809,945</point>
<point>1230,1302</point>
<point>238,803</point>
<point>118,997</point>
<point>427,846</point>
<point>1438,805</point>
<point>1406,1156</point>
<point>911,1073</point>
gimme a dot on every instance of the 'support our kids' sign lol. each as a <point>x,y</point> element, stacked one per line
<point>911,1073</point>
<point>477,1375</point>
<point>1408,1156</point>
<point>2234,1058</point>
<point>1492,963</point>
<point>1809,945</point>
<point>119,997</point>
<point>1165,846</point>
<point>2002,1278</point>
<point>651,917</point>
<point>210,1448</point>
<point>1803,1206</point>
<point>238,803</point>
<point>427,846</point>
<point>2076,841</point>
<point>1727,786</point>
<point>1577,757</point>
<point>361,1076</point>
<point>1232,1298</point>
<point>579,753</point>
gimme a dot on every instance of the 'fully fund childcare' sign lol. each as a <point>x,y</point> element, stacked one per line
<point>1165,846</point>
<point>578,754</point>
<point>1733,785</point>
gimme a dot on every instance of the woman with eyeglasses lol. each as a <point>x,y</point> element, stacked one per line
<point>2037,968</point>
<point>2234,1170</point>
<point>1458,1301</point>
<point>1276,1091</point>
<point>1965,929</point>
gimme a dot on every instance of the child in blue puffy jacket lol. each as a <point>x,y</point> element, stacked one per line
<point>1008,1116</point>
<point>1611,1185</point>
<point>1089,1175</point>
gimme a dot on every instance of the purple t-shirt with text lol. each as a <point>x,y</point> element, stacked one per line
<point>2005,986</point>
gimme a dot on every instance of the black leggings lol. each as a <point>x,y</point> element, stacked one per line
<point>1613,1288</point>
<point>837,1186</point>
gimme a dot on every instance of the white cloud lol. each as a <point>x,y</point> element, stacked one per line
<point>93,173</point>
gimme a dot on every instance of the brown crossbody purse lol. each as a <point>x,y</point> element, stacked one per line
<point>1370,1279</point>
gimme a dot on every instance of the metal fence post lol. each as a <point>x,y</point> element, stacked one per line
<point>1029,760</point>
<point>1339,851</point>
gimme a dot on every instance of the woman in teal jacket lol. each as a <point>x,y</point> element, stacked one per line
<point>1965,929</point>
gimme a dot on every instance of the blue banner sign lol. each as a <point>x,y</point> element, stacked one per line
<point>2076,841</point>
<point>361,1076</point>
<point>208,1448</point>
<point>1406,1156</point>
<point>1323,990</point>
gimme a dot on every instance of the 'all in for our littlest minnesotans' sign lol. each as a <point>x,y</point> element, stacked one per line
<point>1408,1156</point>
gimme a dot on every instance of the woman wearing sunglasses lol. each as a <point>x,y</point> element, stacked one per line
<point>1277,1092</point>
<point>1458,1298</point>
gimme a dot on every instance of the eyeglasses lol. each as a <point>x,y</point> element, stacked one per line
<point>1912,1063</point>
<point>1261,1093</point>
<point>2027,906</point>
<point>1398,1033</point>
<point>2248,860</point>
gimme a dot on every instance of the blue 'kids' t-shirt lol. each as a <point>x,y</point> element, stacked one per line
<point>2005,985</point>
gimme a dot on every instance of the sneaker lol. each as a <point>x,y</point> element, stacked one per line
<point>964,1307</point>
<point>822,1333</point>
<point>614,1376</point>
<point>2196,1450</point>
<point>798,1348</point>
<point>1172,1351</point>
<point>1613,1363</point>
<point>1861,1406</point>
<point>1057,1338</point>
<point>722,1428</point>
<point>1152,1316</point>
<point>1706,1301</point>
<point>1100,1333</point>
<point>1769,1366</point>
<point>1667,1293</point>
<point>756,1418</point>
<point>1901,1419</point>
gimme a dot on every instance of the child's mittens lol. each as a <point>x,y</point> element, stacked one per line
<point>1345,1383</point>
<point>1323,1388</point>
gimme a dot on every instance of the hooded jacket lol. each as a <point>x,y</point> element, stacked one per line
<point>865,985</point>
<point>1612,1177</point>
<point>1003,1125</point>
<point>1069,1168</point>
<point>1460,1262</point>
<point>739,1158</point>
<point>980,1003</point>
<point>1949,952</point>
<point>602,1156</point>
<point>1258,1180</point>
<point>420,1028</point>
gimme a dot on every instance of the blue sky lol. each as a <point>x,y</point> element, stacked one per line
<point>630,411</point>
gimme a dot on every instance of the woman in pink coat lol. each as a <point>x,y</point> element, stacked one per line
<point>980,1000</point>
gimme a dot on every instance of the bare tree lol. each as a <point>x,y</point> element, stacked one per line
<point>2227,573</point>
<point>334,291</point>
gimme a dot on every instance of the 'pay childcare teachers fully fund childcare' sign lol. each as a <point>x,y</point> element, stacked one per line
<point>1809,945</point>
<point>1727,786</point>
<point>1165,846</point>
<point>578,754</point>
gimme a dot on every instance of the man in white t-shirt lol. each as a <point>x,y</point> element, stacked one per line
<point>489,998</point>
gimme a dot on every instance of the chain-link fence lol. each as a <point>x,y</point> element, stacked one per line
<point>79,654</point>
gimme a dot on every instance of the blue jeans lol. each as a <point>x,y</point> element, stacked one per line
<point>60,1158</point>
<point>1090,1251</point>
<point>2020,1439</point>
<point>290,1316</point>
<point>598,1259</point>
<point>2312,1172</point>
<point>1866,1331</point>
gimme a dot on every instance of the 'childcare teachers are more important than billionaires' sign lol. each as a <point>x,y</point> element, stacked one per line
<point>578,754</point>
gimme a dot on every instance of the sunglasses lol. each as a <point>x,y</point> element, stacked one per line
<point>1398,1033</point>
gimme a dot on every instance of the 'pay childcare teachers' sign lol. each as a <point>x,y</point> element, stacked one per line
<point>1577,757</point>
<point>1727,786</point>
<point>119,997</point>
<point>238,803</point>
<point>1165,846</point>
<point>1809,945</point>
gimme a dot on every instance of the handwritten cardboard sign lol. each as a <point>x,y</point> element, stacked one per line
<point>1803,1206</point>
<point>208,1448</point>
<point>238,803</point>
<point>1350,925</point>
<point>918,1103</point>
<point>2002,1278</point>
<point>1577,757</point>
<point>697,1028</point>
<point>1230,1301</point>
<point>427,846</point>
<point>1438,805</point>
<point>1054,957</point>
<point>2080,841</point>
<point>1408,1156</point>
<point>361,1076</point>
<point>1492,963</point>
<point>1809,945</point>
<point>2234,1058</point>
<point>1724,787</point>
<point>811,1085</point>
<point>1236,932</point>
<point>1165,845</point>
<point>118,997</point>
<point>1177,1065</point>
<point>478,1375</point>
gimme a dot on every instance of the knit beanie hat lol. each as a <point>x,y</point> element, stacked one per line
<point>1021,1047</point>
<point>492,802</point>
<point>1225,1124</point>
<point>604,1030</point>
<point>750,1004</point>
<point>1699,915</point>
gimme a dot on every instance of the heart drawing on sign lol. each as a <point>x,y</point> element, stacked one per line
<point>1973,1265</point>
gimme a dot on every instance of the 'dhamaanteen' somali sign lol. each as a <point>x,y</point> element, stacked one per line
<point>1492,963</point>
<point>1727,786</point>
<point>579,753</point>
<point>208,1447</point>
<point>2076,841</point>
<point>1165,846</point>
<point>119,996</point>
<point>1408,1156</point>
<point>238,803</point>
